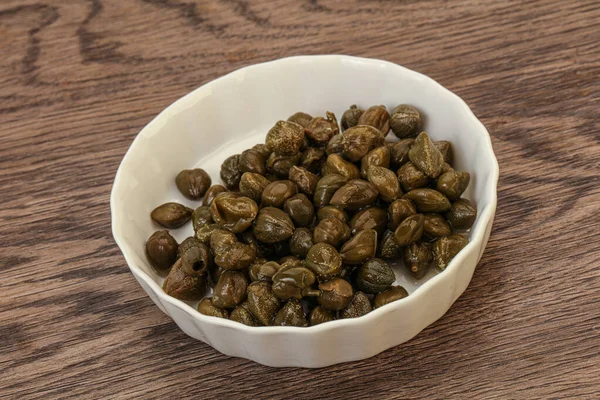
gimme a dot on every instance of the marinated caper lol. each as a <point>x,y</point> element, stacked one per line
<point>446,248</point>
<point>293,281</point>
<point>301,241</point>
<point>388,247</point>
<point>305,181</point>
<point>379,156</point>
<point>301,118</point>
<point>376,116</point>
<point>230,172</point>
<point>319,315</point>
<point>369,218</point>
<point>207,307</point>
<point>405,121</point>
<point>233,213</point>
<point>386,183</point>
<point>204,233</point>
<point>335,294</point>
<point>392,294</point>
<point>252,185</point>
<point>300,209</point>
<point>417,258</point>
<point>359,306</point>
<point>263,271</point>
<point>273,225</point>
<point>426,156</point>
<point>452,184</point>
<point>313,159</point>
<point>201,216</point>
<point>211,193</point>
<point>285,138</point>
<point>428,200</point>
<point>276,193</point>
<point>161,250</point>
<point>281,165</point>
<point>187,278</point>
<point>399,152</point>
<point>445,147</point>
<point>336,165</point>
<point>230,289</point>
<point>221,239</point>
<point>235,256</point>
<point>187,244</point>
<point>262,149</point>
<point>350,117</point>
<point>409,230</point>
<point>360,248</point>
<point>332,231</point>
<point>359,140</point>
<point>335,145</point>
<point>355,195</point>
<point>320,130</point>
<point>332,211</point>
<point>410,177</point>
<point>193,183</point>
<point>326,188</point>
<point>462,215</point>
<point>324,260</point>
<point>243,315</point>
<point>374,276</point>
<point>291,314</point>
<point>171,215</point>
<point>436,226</point>
<point>262,303</point>
<point>399,210</point>
<point>252,161</point>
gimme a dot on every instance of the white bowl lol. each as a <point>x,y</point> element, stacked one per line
<point>234,112</point>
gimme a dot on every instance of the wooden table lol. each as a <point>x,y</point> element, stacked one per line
<point>79,79</point>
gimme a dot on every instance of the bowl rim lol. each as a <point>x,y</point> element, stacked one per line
<point>477,234</point>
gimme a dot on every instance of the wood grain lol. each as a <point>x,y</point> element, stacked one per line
<point>79,79</point>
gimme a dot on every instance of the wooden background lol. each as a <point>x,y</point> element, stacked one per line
<point>80,78</point>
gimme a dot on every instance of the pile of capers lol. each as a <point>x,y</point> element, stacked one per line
<point>300,231</point>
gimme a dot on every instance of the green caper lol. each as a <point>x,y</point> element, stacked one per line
<point>320,130</point>
<point>291,314</point>
<point>301,241</point>
<point>276,193</point>
<point>201,216</point>
<point>313,159</point>
<point>376,116</point>
<point>410,230</point>
<point>428,200</point>
<point>350,117</point>
<point>252,185</point>
<point>426,156</point>
<point>204,233</point>
<point>359,140</point>
<point>326,188</point>
<point>233,213</point>
<point>230,172</point>
<point>360,248</point>
<point>230,289</point>
<point>207,307</point>
<point>405,121</point>
<point>305,181</point>
<point>399,210</point>
<point>399,152</point>
<point>355,195</point>
<point>300,209</point>
<point>388,247</point>
<point>410,177</point>
<point>236,256</point>
<point>319,315</point>
<point>335,145</point>
<point>187,278</point>
<point>379,156</point>
<point>301,118</point>
<point>387,296</point>
<point>453,183</point>
<point>386,183</point>
<point>280,166</point>
<point>436,226</point>
<point>293,281</point>
<point>285,138</point>
<point>211,193</point>
<point>263,271</point>
<point>417,258</point>
<point>462,214</point>
<point>324,260</point>
<point>252,161</point>
<point>369,218</point>
<point>171,215</point>
<point>242,315</point>
<point>335,294</point>
<point>359,306</point>
<point>446,248</point>
<point>336,165</point>
<point>445,147</point>
<point>332,211</point>
<point>332,231</point>
<point>161,250</point>
<point>193,183</point>
<point>262,303</point>
<point>273,225</point>
<point>374,276</point>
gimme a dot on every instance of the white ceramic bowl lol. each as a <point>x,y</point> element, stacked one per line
<point>234,112</point>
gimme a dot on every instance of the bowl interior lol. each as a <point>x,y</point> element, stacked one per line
<point>233,113</point>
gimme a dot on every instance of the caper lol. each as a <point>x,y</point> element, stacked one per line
<point>388,247</point>
<point>359,140</point>
<point>386,183</point>
<point>453,183</point>
<point>280,166</point>
<point>207,307</point>
<point>221,240</point>
<point>428,200</point>
<point>417,258</point>
<point>305,181</point>
<point>193,183</point>
<point>262,303</point>
<point>252,185</point>
<point>410,177</point>
<point>291,314</point>
<point>276,193</point>
<point>446,168</point>
<point>171,215</point>
<point>320,130</point>
<point>201,216</point>
<point>230,172</point>
<point>350,117</point>
<point>233,213</point>
<point>354,195</point>
<point>230,290</point>
<point>405,121</point>
<point>236,256</point>
<point>378,117</point>
<point>399,210</point>
<point>301,118</point>
<point>336,294</point>
<point>161,250</point>
<point>462,214</point>
<point>359,306</point>
<point>301,241</point>
<point>313,159</point>
<point>300,210</point>
<point>324,260</point>
<point>387,296</point>
<point>409,230</point>
<point>379,156</point>
<point>293,281</point>
<point>446,248</point>
<point>332,211</point>
<point>211,193</point>
<point>252,161</point>
<point>331,231</point>
<point>435,226</point>
<point>263,271</point>
<point>204,232</point>
<point>187,244</point>
<point>369,218</point>
<point>290,261</point>
<point>319,315</point>
<point>399,152</point>
<point>285,138</point>
<point>326,188</point>
<point>426,156</point>
<point>445,147</point>
<point>273,225</point>
<point>262,149</point>
<point>360,248</point>
<point>336,165</point>
<point>187,278</point>
<point>335,145</point>
<point>374,276</point>
<point>242,315</point>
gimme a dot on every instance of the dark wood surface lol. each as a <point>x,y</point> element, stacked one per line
<point>79,79</point>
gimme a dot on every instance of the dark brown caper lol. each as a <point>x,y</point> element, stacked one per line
<point>290,261</point>
<point>300,210</point>
<point>388,247</point>
<point>211,193</point>
<point>262,303</point>
<point>233,213</point>
<point>201,216</point>
<point>326,188</point>
<point>230,289</point>
<point>285,138</point>
<point>462,214</point>
<point>410,230</point>
<point>301,241</point>
<point>276,193</point>
<point>235,256</point>
<point>332,211</point>
<point>320,130</point>
<point>335,145</point>
<point>350,117</point>
<point>336,165</point>
<point>360,247</point>
<point>291,314</point>
<point>230,172</point>
<point>435,226</point>
<point>426,156</point>
<point>386,183</point>
<point>305,181</point>
<point>445,147</point>
<point>263,271</point>
<point>359,306</point>
<point>207,307</point>
<point>273,225</point>
<point>378,117</point>
<point>293,281</point>
<point>187,244</point>
<point>242,315</point>
<point>410,177</point>
<point>359,140</point>
<point>446,248</point>
<point>379,156</point>
<point>204,233</point>
<point>452,184</point>
<point>374,276</point>
<point>355,195</point>
<point>281,165</point>
<point>252,185</point>
<point>193,183</point>
<point>324,260</point>
<point>392,294</point>
<point>336,294</point>
<point>171,215</point>
<point>319,315</point>
<point>252,161</point>
<point>313,159</point>
<point>399,210</point>
<point>447,167</point>
<point>399,152</point>
<point>417,258</point>
<point>161,250</point>
<point>187,278</point>
<point>332,231</point>
<point>301,118</point>
<point>262,149</point>
<point>405,121</point>
<point>428,200</point>
<point>221,239</point>
<point>369,218</point>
